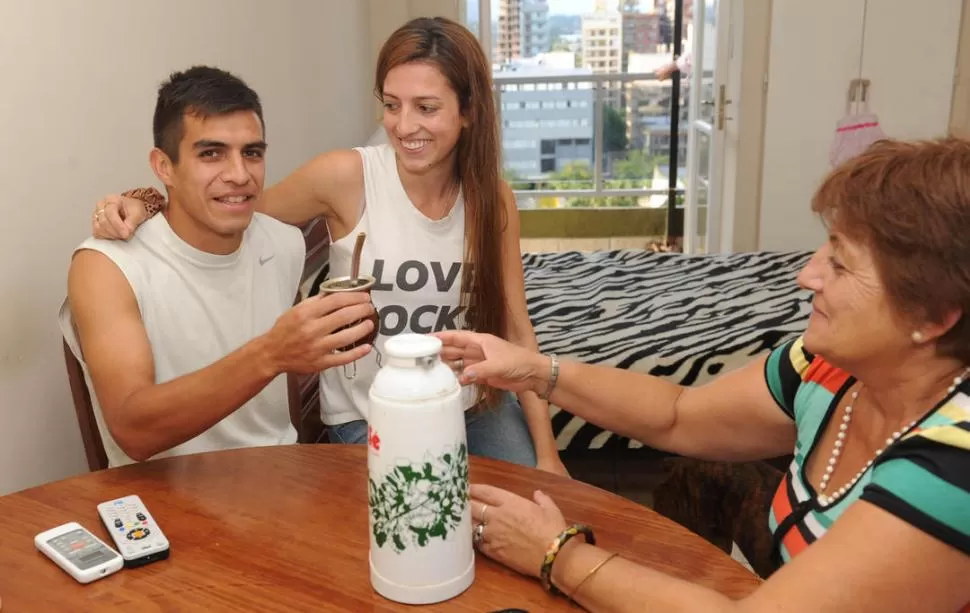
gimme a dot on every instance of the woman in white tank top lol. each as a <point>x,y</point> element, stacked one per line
<point>442,229</point>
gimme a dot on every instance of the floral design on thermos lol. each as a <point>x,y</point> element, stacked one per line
<point>416,502</point>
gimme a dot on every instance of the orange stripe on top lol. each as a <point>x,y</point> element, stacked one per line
<point>793,541</point>
<point>826,375</point>
<point>780,503</point>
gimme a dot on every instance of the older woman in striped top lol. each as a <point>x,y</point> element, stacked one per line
<point>873,400</point>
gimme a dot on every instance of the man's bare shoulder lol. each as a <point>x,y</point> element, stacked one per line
<point>94,277</point>
<point>97,259</point>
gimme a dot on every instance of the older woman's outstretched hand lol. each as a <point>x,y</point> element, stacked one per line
<point>517,531</point>
<point>489,360</point>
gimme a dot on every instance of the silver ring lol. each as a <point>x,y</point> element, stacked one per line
<point>460,364</point>
<point>484,510</point>
<point>479,535</point>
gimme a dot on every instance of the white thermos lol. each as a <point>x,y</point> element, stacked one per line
<point>417,461</point>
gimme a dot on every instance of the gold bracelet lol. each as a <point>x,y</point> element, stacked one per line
<point>591,573</point>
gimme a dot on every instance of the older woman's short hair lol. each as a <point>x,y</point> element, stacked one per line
<point>909,202</point>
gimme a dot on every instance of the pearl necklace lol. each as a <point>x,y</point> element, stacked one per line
<point>827,499</point>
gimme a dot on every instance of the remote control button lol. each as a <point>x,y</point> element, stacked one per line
<point>140,516</point>
<point>118,523</point>
<point>138,533</point>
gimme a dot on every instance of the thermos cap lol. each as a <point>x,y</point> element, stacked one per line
<point>413,372</point>
<point>411,346</point>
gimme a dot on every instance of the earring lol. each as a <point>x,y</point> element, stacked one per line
<point>917,336</point>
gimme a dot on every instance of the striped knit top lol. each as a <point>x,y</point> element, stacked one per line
<point>924,478</point>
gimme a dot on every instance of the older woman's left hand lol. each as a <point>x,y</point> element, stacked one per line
<point>518,532</point>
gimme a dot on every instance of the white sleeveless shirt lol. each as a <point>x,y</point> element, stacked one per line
<point>417,262</point>
<point>199,307</point>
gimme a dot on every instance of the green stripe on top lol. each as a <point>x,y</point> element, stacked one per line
<point>773,370</point>
<point>824,520</point>
<point>936,419</point>
<point>812,403</point>
<point>926,492</point>
<point>772,521</point>
<point>842,505</point>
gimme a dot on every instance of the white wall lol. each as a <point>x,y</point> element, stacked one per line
<point>909,54</point>
<point>78,82</point>
<point>385,16</point>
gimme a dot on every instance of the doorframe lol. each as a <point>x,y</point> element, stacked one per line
<point>725,49</point>
<point>724,30</point>
<point>960,105</point>
<point>741,231</point>
<point>693,110</point>
<point>739,223</point>
<point>738,212</point>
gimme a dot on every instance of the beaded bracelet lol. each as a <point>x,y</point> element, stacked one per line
<point>153,199</point>
<point>553,377</point>
<point>545,572</point>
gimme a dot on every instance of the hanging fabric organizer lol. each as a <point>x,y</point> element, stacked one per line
<point>859,128</point>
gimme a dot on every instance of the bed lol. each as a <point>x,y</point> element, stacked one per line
<point>684,318</point>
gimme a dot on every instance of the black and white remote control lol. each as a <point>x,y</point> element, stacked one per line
<point>134,531</point>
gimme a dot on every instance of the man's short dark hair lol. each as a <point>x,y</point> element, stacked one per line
<point>200,91</point>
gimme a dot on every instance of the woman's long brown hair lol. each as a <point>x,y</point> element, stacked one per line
<point>456,52</point>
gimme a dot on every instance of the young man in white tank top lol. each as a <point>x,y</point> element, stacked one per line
<point>185,330</point>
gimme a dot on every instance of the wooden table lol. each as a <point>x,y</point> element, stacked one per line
<point>285,529</point>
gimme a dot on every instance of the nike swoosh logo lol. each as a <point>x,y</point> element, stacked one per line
<point>263,260</point>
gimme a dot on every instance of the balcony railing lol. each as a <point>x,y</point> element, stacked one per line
<point>600,173</point>
<point>644,121</point>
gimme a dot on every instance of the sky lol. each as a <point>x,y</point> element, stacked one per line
<point>571,7</point>
<point>568,7</point>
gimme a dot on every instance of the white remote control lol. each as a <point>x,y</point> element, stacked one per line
<point>78,552</point>
<point>134,531</point>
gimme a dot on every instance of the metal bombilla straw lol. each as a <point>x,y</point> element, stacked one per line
<point>354,274</point>
<point>354,278</point>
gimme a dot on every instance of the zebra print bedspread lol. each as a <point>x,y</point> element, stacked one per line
<point>685,318</point>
